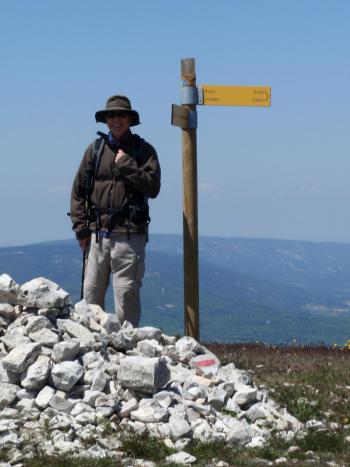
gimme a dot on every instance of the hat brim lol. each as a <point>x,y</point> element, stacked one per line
<point>100,116</point>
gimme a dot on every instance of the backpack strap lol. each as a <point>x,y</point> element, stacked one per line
<point>98,150</point>
<point>136,148</point>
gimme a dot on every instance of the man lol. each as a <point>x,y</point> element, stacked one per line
<point>109,208</point>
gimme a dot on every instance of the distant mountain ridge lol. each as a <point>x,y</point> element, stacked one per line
<point>275,291</point>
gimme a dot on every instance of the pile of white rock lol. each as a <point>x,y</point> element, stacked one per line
<point>66,372</point>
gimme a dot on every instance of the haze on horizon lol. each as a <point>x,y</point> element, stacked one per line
<point>280,172</point>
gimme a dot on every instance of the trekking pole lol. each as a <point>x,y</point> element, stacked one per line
<point>83,273</point>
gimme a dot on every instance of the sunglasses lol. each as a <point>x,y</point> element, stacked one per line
<point>117,113</point>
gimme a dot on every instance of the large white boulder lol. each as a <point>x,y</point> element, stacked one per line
<point>8,290</point>
<point>143,374</point>
<point>21,357</point>
<point>42,293</point>
<point>66,374</point>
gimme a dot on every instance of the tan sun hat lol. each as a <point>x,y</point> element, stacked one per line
<point>115,104</point>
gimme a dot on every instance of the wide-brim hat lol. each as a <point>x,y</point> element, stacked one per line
<point>118,103</point>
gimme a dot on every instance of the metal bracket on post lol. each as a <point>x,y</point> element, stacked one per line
<point>200,95</point>
<point>192,119</point>
<point>188,95</point>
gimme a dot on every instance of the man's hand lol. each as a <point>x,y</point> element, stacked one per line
<point>84,243</point>
<point>120,154</point>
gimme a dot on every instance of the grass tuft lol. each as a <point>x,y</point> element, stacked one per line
<point>323,441</point>
<point>145,446</point>
<point>68,461</point>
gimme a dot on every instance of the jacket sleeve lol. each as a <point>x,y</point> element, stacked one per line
<point>77,204</point>
<point>144,178</point>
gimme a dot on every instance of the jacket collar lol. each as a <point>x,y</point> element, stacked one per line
<point>124,140</point>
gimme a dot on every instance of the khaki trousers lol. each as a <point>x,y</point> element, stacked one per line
<point>124,259</point>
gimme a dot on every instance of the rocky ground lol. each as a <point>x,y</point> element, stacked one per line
<point>78,388</point>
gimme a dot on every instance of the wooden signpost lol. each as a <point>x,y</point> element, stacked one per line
<point>185,117</point>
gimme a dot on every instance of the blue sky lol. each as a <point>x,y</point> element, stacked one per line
<point>281,172</point>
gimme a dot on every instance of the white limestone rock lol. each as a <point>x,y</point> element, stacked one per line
<point>8,290</point>
<point>21,357</point>
<point>86,418</point>
<point>228,387</point>
<point>66,374</point>
<point>188,344</point>
<point>91,396</point>
<point>232,406</point>
<point>92,360</point>
<point>127,407</point>
<point>143,374</point>
<point>149,414</point>
<point>181,457</point>
<point>35,377</point>
<point>65,350</point>
<point>107,400</point>
<point>257,411</point>
<point>166,398</point>
<point>83,311</point>
<point>43,398</point>
<point>25,405</point>
<point>7,311</point>
<point>98,313</point>
<point>77,330</point>
<point>179,427</point>
<point>9,414</point>
<point>180,374</point>
<point>99,381</point>
<point>192,391</point>
<point>37,323</point>
<point>168,340</point>
<point>257,442</point>
<point>201,430</point>
<point>146,332</point>
<point>42,293</point>
<point>8,394</point>
<point>4,322</point>
<point>45,337</point>
<point>230,373</point>
<point>240,433</point>
<point>3,374</point>
<point>149,348</point>
<point>59,422</point>
<point>205,364</point>
<point>60,404</point>
<point>244,394</point>
<point>293,422</point>
<point>80,408</point>
<point>15,336</point>
<point>121,340</point>
<point>217,398</point>
<point>110,323</point>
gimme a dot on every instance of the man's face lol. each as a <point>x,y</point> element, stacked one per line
<point>118,122</point>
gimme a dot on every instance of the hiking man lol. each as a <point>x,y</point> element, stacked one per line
<point>109,208</point>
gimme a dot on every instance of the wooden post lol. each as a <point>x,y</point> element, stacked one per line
<point>190,202</point>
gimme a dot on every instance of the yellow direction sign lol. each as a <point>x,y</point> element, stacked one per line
<point>253,96</point>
